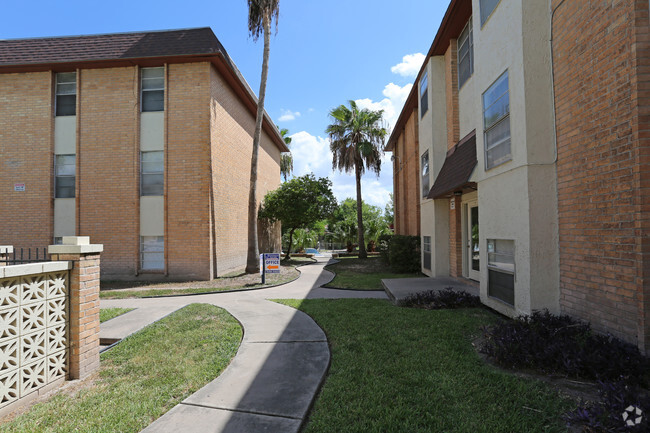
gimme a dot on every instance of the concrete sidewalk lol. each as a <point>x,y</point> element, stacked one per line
<point>279,367</point>
<point>398,289</point>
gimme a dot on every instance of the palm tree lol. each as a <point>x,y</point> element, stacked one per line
<point>356,140</point>
<point>286,163</point>
<point>261,13</point>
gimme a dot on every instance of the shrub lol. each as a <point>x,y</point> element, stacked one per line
<point>404,254</point>
<point>606,415</point>
<point>382,246</point>
<point>562,345</point>
<point>447,298</point>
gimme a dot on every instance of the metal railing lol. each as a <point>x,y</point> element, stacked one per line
<point>24,255</point>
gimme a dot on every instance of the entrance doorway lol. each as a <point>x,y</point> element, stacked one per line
<point>473,250</point>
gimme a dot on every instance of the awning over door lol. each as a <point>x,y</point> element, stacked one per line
<point>457,169</point>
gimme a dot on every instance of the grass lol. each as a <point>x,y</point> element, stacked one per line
<point>110,313</point>
<point>142,377</point>
<point>233,281</point>
<point>412,370</point>
<point>362,274</point>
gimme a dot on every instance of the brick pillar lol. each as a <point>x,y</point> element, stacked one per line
<point>455,237</point>
<point>83,311</point>
<point>5,250</point>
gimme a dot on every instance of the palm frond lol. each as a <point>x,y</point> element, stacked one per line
<point>260,10</point>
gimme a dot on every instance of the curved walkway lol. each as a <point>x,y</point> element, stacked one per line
<point>274,377</point>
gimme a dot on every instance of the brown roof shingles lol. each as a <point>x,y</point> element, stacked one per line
<point>109,47</point>
<point>457,168</point>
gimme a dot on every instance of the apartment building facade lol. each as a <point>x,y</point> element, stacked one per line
<point>535,158</point>
<point>141,141</point>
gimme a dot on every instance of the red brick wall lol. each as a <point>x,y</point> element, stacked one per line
<point>602,99</point>
<point>107,165</point>
<point>232,128</point>
<point>455,238</point>
<point>26,149</point>
<point>187,152</point>
<point>451,91</point>
<point>406,175</point>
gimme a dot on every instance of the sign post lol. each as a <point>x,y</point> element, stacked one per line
<point>269,264</point>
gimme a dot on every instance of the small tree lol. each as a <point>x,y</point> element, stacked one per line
<point>299,204</point>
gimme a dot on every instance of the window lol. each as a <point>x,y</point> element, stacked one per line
<point>153,89</point>
<point>424,94</point>
<point>496,121</point>
<point>426,252</point>
<point>487,6</point>
<point>501,270</point>
<point>66,94</point>
<point>152,167</point>
<point>64,176</point>
<point>425,173</point>
<point>465,55</point>
<point>152,253</point>
<point>58,240</point>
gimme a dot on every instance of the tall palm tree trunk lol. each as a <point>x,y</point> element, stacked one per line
<point>362,243</point>
<point>253,253</point>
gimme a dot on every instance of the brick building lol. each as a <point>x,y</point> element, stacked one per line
<point>141,141</point>
<point>537,113</point>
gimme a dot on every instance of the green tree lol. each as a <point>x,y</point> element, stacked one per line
<point>356,139</point>
<point>286,161</point>
<point>389,211</point>
<point>261,14</point>
<point>343,223</point>
<point>299,203</point>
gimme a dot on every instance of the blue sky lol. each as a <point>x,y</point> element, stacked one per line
<point>324,54</point>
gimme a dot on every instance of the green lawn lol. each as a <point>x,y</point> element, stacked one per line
<point>410,370</point>
<point>362,274</point>
<point>144,376</point>
<point>110,313</point>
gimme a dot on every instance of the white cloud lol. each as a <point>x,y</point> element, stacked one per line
<point>310,154</point>
<point>392,104</point>
<point>410,66</point>
<point>288,115</point>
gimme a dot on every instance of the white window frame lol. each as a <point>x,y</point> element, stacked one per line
<point>502,262</point>
<point>146,86</point>
<point>466,36</point>
<point>496,123</point>
<point>63,88</point>
<point>58,167</point>
<point>145,172</point>
<point>156,249</point>
<point>424,94</point>
<point>424,173</point>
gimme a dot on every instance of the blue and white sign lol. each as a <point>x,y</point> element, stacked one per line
<point>271,263</point>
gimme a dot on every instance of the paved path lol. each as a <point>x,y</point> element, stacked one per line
<point>271,383</point>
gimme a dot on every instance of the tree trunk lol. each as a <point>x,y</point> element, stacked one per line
<point>288,255</point>
<point>253,254</point>
<point>362,244</point>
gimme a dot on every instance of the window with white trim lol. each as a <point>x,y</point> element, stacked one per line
<point>152,168</point>
<point>501,270</point>
<point>465,54</point>
<point>152,253</point>
<point>426,252</point>
<point>487,7</point>
<point>496,123</point>
<point>424,94</point>
<point>65,101</point>
<point>424,164</point>
<point>64,176</point>
<point>153,89</point>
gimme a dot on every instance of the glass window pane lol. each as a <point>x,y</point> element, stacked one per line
<point>65,165</point>
<point>66,88</point>
<point>66,77</point>
<point>424,83</point>
<point>153,72</point>
<point>153,83</point>
<point>497,111</point>
<point>66,105</point>
<point>151,157</point>
<point>64,187</point>
<point>152,184</point>
<point>424,103</point>
<point>152,252</point>
<point>495,91</point>
<point>153,100</point>
<point>487,6</point>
